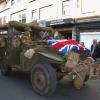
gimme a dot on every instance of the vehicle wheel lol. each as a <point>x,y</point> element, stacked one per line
<point>5,69</point>
<point>43,78</point>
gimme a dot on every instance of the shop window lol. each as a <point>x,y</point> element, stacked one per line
<point>66,34</point>
<point>66,7</point>
<point>22,18</point>
<point>12,2</point>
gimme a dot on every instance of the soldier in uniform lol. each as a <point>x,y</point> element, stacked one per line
<point>26,39</point>
<point>26,36</point>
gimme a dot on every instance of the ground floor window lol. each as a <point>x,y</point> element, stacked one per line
<point>87,38</point>
<point>66,34</point>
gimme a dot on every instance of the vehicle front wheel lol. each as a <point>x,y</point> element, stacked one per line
<point>43,78</point>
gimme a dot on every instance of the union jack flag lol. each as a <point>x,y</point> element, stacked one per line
<point>63,46</point>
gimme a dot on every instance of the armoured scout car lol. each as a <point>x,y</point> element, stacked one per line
<point>26,48</point>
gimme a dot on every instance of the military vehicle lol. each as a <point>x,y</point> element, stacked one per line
<point>25,47</point>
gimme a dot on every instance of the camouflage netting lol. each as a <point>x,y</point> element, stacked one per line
<point>17,25</point>
<point>20,26</point>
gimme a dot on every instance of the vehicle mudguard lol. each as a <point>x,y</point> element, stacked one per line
<point>55,57</point>
<point>31,54</point>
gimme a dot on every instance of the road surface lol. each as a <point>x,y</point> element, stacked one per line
<point>17,86</point>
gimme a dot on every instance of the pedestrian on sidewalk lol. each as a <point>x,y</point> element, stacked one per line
<point>96,66</point>
<point>93,54</point>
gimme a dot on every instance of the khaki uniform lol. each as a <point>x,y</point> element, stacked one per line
<point>80,78</point>
<point>26,37</point>
<point>95,71</point>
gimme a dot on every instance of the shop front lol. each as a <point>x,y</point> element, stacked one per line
<point>63,26</point>
<point>87,30</point>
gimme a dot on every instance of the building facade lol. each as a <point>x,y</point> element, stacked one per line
<point>47,9</point>
<point>65,16</point>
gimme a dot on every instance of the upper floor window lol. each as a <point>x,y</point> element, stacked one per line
<point>66,7</point>
<point>77,3</point>
<point>12,2</point>
<point>46,12</point>
<point>4,19</point>
<point>22,18</point>
<point>88,6</point>
<point>34,15</point>
<point>0,21</point>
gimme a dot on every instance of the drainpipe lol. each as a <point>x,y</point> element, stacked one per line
<point>75,31</point>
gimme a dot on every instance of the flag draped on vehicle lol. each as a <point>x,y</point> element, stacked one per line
<point>64,46</point>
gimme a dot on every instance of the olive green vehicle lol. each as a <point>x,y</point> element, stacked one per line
<point>46,66</point>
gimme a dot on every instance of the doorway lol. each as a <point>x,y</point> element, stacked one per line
<point>66,34</point>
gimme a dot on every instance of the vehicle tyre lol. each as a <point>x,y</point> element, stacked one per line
<point>5,69</point>
<point>43,78</point>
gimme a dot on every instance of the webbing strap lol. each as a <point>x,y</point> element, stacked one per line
<point>78,75</point>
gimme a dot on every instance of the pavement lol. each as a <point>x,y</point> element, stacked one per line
<point>17,86</point>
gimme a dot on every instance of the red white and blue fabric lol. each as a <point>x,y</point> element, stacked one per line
<point>63,46</point>
<point>87,51</point>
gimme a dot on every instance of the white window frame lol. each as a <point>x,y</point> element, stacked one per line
<point>34,11</point>
<point>42,9</point>
<point>77,3</point>
<point>4,19</point>
<point>21,18</point>
<point>64,4</point>
<point>18,15</point>
<point>87,7</point>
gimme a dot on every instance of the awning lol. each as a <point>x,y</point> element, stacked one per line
<point>90,22</point>
<point>67,21</point>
